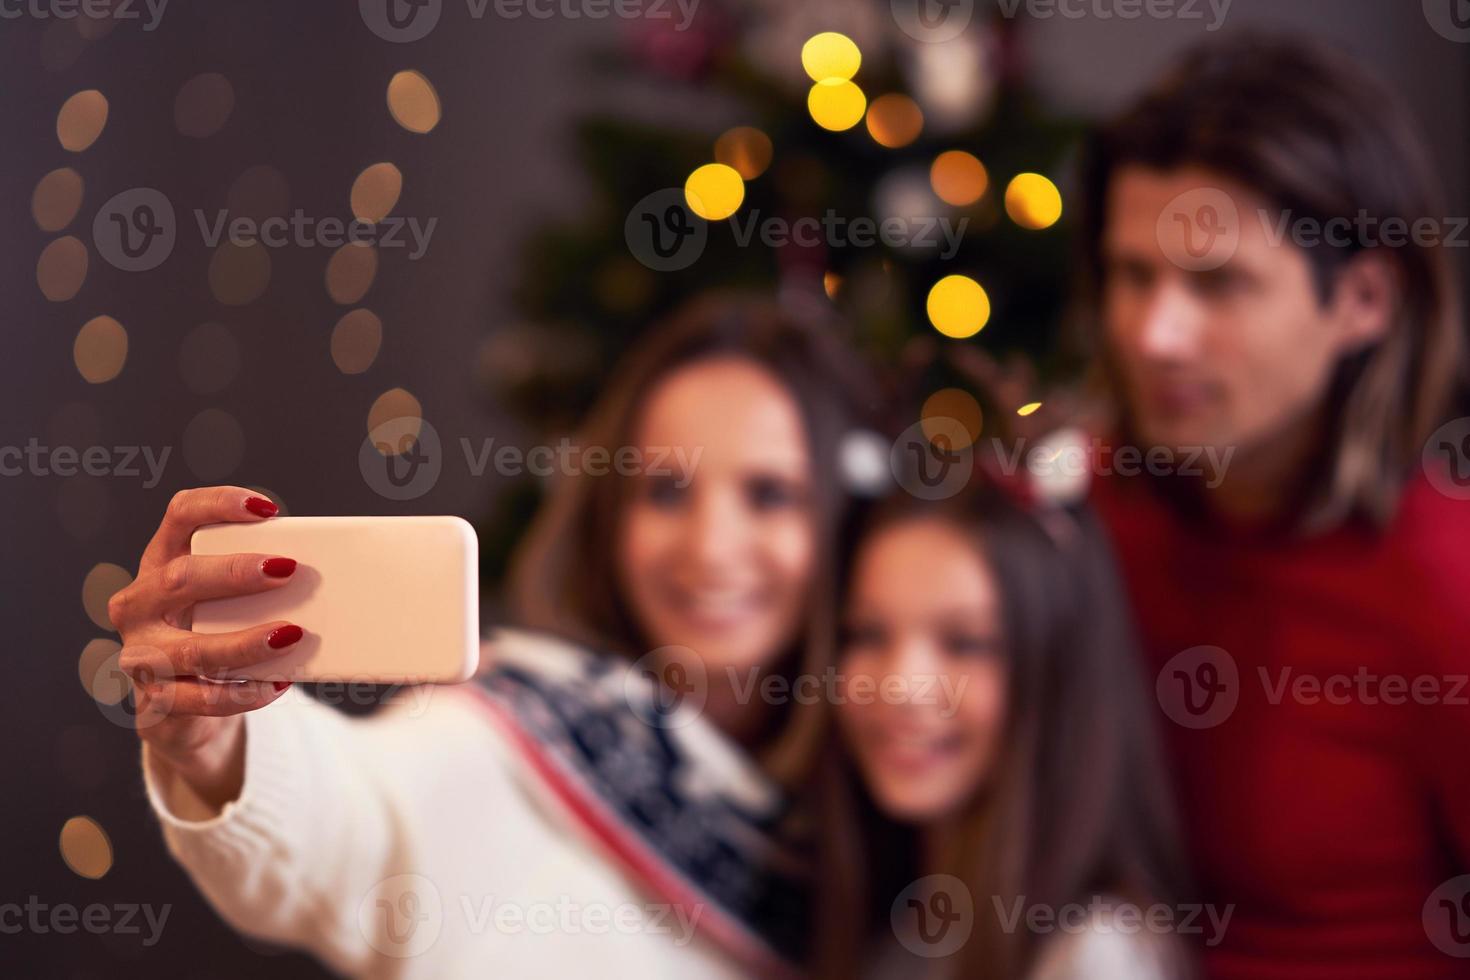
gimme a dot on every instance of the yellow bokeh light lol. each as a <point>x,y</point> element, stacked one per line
<point>958,178</point>
<point>894,120</point>
<point>1033,202</point>
<point>831,284</point>
<point>1028,409</point>
<point>745,149</point>
<point>830,55</point>
<point>958,307</point>
<point>714,191</point>
<point>836,104</point>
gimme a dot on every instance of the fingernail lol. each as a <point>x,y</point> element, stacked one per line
<point>278,567</point>
<point>280,685</point>
<point>261,507</point>
<point>283,636</point>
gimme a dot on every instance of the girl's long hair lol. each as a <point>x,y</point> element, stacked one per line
<point>565,577</point>
<point>1077,804</point>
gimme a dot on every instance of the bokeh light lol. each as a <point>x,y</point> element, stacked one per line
<point>1028,409</point>
<point>85,847</point>
<point>836,104</point>
<point>98,587</point>
<point>958,307</point>
<point>375,191</point>
<point>894,120</point>
<point>397,403</point>
<point>203,105</point>
<point>413,102</point>
<point>350,272</point>
<point>56,199</point>
<point>959,178</point>
<point>830,55</point>
<point>213,444</point>
<point>744,149</point>
<point>355,341</point>
<point>714,191</point>
<point>81,120</point>
<point>1033,202</point>
<point>239,272</point>
<point>952,404</point>
<point>62,268</point>
<point>101,349</point>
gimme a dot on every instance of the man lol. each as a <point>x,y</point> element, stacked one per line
<point>1269,269</point>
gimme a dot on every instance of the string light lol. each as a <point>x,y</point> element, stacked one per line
<point>894,120</point>
<point>836,104</point>
<point>413,102</point>
<point>958,178</point>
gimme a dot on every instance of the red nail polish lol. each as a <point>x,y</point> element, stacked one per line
<point>261,507</point>
<point>283,636</point>
<point>280,685</point>
<point>278,567</point>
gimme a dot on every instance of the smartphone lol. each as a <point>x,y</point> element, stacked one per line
<point>382,600</point>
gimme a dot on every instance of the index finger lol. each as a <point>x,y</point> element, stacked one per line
<point>192,509</point>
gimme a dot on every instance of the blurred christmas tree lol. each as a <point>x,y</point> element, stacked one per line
<point>836,110</point>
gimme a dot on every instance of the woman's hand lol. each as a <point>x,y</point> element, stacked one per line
<point>192,723</point>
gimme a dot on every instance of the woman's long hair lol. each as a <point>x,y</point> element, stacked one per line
<point>565,577</point>
<point>1077,804</point>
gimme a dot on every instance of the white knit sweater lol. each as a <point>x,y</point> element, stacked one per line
<point>412,844</point>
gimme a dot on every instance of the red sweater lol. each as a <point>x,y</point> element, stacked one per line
<point>1327,815</point>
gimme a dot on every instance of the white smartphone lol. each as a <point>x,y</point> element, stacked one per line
<point>382,600</point>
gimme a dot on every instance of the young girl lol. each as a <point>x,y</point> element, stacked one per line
<point>566,814</point>
<point>1005,797</point>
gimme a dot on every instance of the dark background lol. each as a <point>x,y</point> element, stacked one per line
<point>309,82</point>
